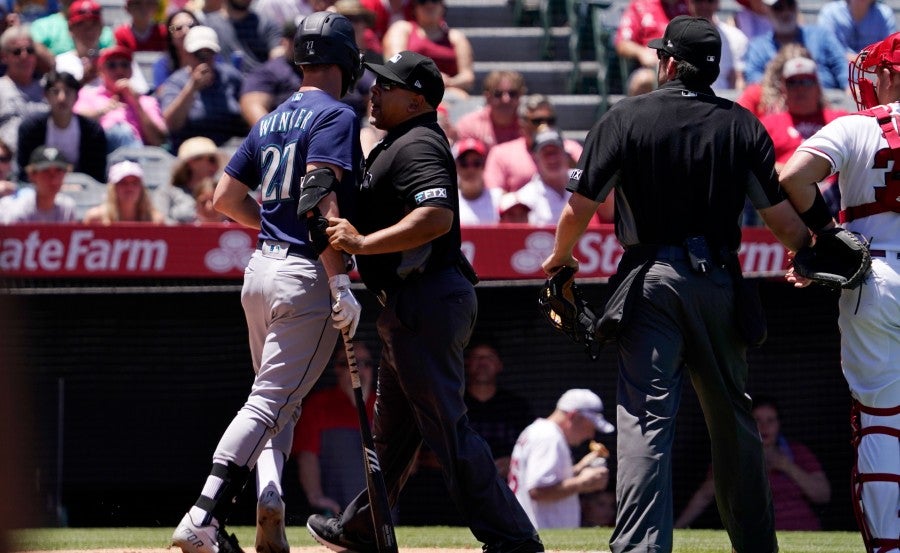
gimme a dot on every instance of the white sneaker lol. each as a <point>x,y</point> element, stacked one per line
<point>192,538</point>
<point>270,536</point>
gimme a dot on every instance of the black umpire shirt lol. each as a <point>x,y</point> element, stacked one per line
<point>411,167</point>
<point>682,163</point>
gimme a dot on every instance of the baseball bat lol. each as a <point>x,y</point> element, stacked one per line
<point>379,506</point>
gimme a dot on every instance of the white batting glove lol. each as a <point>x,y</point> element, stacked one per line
<point>346,311</point>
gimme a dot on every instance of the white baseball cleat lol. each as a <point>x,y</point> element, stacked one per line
<point>192,538</point>
<point>270,536</point>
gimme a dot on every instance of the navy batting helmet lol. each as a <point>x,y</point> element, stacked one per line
<point>325,38</point>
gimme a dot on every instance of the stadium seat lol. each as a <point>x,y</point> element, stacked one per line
<point>157,162</point>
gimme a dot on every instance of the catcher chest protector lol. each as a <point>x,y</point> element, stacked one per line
<point>886,198</point>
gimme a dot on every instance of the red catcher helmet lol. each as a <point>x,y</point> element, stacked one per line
<point>864,69</point>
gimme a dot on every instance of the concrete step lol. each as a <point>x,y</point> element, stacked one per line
<point>516,44</point>
<point>544,77</point>
<point>479,13</point>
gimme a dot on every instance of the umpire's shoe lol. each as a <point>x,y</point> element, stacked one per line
<point>528,546</point>
<point>270,536</point>
<point>193,538</point>
<point>330,533</point>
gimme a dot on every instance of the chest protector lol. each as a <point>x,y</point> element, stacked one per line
<point>887,198</point>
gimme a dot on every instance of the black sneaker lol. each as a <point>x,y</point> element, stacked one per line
<point>527,546</point>
<point>330,533</point>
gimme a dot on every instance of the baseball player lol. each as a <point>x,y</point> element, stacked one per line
<point>864,148</point>
<point>407,246</point>
<point>305,157</point>
<point>681,163</point>
<point>541,472</point>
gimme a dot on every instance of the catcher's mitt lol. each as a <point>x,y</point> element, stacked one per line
<point>562,304</point>
<point>838,259</point>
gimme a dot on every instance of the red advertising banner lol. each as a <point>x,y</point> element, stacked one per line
<point>221,251</point>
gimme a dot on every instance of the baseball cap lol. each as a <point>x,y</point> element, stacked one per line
<point>417,72</point>
<point>45,157</point>
<point>692,39</point>
<point>83,10</point>
<point>545,138</point>
<point>586,403</point>
<point>200,37</point>
<point>510,200</point>
<point>885,53</point>
<point>469,145</point>
<point>116,51</point>
<point>796,67</point>
<point>355,11</point>
<point>124,169</point>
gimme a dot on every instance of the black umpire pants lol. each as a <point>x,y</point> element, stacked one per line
<point>685,321</point>
<point>424,327</point>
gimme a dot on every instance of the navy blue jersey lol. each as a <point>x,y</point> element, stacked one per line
<point>308,127</point>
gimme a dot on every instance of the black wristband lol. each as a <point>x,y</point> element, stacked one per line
<point>818,215</point>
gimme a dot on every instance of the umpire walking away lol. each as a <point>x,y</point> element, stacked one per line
<point>681,162</point>
<point>406,241</point>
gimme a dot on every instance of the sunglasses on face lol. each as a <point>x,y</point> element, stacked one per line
<point>117,64</point>
<point>18,51</point>
<point>797,83</point>
<point>388,85</point>
<point>513,94</point>
<point>423,2</point>
<point>538,121</point>
<point>470,163</point>
<point>178,28</point>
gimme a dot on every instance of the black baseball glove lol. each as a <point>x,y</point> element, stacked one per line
<point>838,259</point>
<point>562,304</point>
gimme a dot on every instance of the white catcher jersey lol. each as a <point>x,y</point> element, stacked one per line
<point>542,458</point>
<point>850,144</point>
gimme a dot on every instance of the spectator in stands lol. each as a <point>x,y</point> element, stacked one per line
<point>203,199</point>
<point>598,508</point>
<point>734,45</point>
<point>327,442</point>
<point>82,62</point>
<point>9,18</point>
<point>281,12</point>
<point>143,33</point>
<point>429,35</point>
<point>443,117</point>
<point>823,46</point>
<point>198,160</point>
<point>804,114</point>
<point>542,475</point>
<point>767,95</point>
<point>175,57</point>
<point>641,22</point>
<point>511,164</point>
<point>363,20</point>
<point>513,209</point>
<point>27,11</point>
<point>21,93</point>
<point>497,414</point>
<point>79,139</point>
<point>245,39</point>
<point>387,12</point>
<point>546,192</point>
<point>127,199</point>
<point>753,18</point>
<point>795,476</point>
<point>270,84</point>
<point>498,120</point>
<point>857,23</point>
<point>203,97</point>
<point>46,169</point>
<point>478,205</point>
<point>128,118</point>
<point>7,177</point>
<point>52,35</point>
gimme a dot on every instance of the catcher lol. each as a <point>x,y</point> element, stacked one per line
<point>864,148</point>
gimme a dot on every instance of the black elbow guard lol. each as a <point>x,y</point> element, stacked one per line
<point>314,186</point>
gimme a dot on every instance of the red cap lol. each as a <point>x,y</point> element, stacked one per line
<point>83,10</point>
<point>885,53</point>
<point>117,51</point>
<point>469,145</point>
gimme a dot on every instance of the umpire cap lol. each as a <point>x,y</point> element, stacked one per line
<point>415,72</point>
<point>694,40</point>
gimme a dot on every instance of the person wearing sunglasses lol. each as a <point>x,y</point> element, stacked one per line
<point>407,246</point>
<point>511,164</point>
<point>822,44</point>
<point>498,120</point>
<point>129,118</point>
<point>478,205</point>
<point>21,93</point>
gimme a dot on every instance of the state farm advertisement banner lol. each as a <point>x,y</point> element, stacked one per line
<point>221,251</point>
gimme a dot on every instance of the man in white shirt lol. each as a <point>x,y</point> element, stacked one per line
<point>477,205</point>
<point>546,192</point>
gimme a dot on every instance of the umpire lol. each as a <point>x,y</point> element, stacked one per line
<point>681,162</point>
<point>406,240</point>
